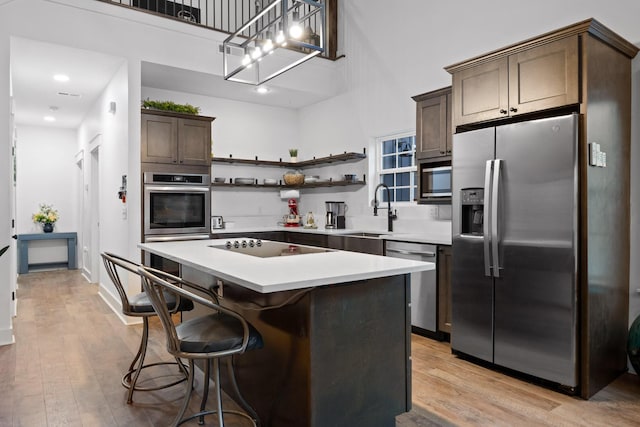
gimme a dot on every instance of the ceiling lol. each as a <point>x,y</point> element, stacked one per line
<point>188,81</point>
<point>37,94</point>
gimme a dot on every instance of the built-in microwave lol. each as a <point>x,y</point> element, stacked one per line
<point>435,182</point>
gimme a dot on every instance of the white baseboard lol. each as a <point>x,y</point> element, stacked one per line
<point>7,337</point>
<point>86,274</point>
<point>116,306</point>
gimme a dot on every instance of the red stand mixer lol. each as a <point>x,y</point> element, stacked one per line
<point>293,219</point>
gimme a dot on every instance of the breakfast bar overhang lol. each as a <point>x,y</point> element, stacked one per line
<point>336,327</point>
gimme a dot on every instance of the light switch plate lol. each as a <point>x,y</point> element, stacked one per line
<point>593,153</point>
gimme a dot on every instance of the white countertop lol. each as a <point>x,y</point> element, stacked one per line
<point>276,274</point>
<point>436,239</point>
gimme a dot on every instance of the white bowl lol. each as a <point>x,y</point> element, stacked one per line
<point>270,181</point>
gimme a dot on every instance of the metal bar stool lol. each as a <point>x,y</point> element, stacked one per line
<point>140,306</point>
<point>221,334</point>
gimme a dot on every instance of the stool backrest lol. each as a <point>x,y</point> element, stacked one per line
<point>111,263</point>
<point>157,284</point>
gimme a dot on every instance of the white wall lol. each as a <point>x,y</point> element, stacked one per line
<point>46,174</point>
<point>109,134</point>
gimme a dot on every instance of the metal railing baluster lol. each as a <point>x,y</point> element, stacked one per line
<point>228,15</point>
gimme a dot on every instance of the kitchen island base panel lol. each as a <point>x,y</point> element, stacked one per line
<point>337,355</point>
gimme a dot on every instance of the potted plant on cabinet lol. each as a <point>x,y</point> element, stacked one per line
<point>293,152</point>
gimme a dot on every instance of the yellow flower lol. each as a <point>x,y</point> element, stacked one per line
<point>46,214</point>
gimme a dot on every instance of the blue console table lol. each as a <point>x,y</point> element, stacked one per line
<point>23,250</point>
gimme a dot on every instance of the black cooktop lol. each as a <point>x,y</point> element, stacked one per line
<point>267,248</point>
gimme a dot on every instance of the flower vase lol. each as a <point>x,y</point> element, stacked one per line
<point>47,227</point>
<point>294,159</point>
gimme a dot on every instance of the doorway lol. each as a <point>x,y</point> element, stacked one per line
<point>93,218</point>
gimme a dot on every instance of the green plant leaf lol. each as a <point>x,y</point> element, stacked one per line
<point>170,106</point>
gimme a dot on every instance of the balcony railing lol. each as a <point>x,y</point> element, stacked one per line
<point>228,16</point>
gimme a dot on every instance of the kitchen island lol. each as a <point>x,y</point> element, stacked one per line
<point>336,327</point>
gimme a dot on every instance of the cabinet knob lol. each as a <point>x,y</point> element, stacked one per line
<point>513,109</point>
<point>503,111</point>
<point>442,152</point>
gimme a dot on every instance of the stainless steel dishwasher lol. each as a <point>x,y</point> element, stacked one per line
<point>424,295</point>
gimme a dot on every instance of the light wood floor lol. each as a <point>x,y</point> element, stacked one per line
<point>466,394</point>
<point>71,351</point>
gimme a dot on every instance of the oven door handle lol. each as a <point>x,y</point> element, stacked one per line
<point>176,188</point>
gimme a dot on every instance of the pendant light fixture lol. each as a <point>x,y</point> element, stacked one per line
<point>253,53</point>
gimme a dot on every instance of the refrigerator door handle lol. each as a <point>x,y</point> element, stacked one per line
<point>495,220</point>
<point>486,231</point>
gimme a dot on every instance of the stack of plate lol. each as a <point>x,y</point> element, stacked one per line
<point>244,181</point>
<point>310,179</point>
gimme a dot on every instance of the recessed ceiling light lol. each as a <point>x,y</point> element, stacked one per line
<point>61,78</point>
<point>49,119</point>
<point>262,90</point>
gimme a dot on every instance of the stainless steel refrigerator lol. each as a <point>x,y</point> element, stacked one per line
<point>515,234</point>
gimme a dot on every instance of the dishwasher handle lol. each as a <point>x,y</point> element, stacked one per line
<point>403,252</point>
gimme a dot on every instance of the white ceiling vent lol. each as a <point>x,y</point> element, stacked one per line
<point>73,95</point>
<point>231,50</point>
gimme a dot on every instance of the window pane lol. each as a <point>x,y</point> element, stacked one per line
<point>405,144</point>
<point>403,195</point>
<point>384,195</point>
<point>389,146</point>
<point>389,162</point>
<point>387,179</point>
<point>403,179</point>
<point>405,160</point>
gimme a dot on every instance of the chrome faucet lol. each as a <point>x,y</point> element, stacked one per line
<point>390,215</point>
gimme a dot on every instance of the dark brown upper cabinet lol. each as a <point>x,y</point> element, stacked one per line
<point>433,124</point>
<point>537,78</point>
<point>178,139</point>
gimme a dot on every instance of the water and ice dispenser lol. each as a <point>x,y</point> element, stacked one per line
<point>472,215</point>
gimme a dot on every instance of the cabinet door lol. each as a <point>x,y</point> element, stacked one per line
<point>194,142</point>
<point>449,128</point>
<point>444,289</point>
<point>159,141</point>
<point>544,77</point>
<point>481,93</point>
<point>309,239</point>
<point>431,127</point>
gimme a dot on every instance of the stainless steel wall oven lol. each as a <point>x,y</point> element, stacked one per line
<point>176,204</point>
<point>176,207</point>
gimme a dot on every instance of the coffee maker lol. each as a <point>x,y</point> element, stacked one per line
<point>335,215</point>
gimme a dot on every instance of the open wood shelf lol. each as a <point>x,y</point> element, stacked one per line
<point>283,186</point>
<point>344,157</point>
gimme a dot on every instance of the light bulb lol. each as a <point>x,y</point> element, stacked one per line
<point>256,53</point>
<point>267,46</point>
<point>280,39</point>
<point>295,30</point>
<point>246,60</point>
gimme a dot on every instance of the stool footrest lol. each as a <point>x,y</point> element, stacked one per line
<point>126,378</point>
